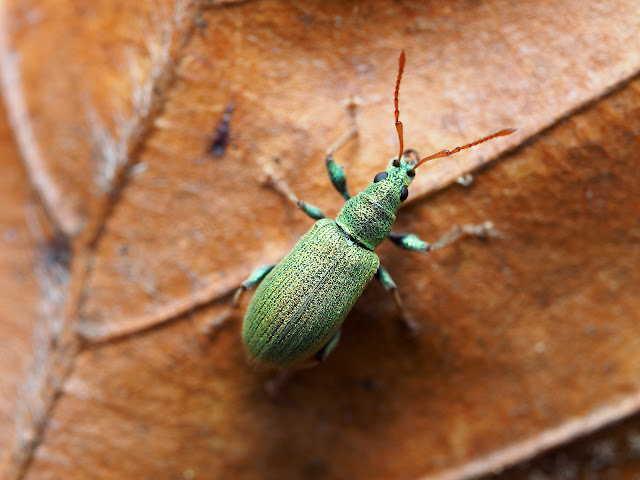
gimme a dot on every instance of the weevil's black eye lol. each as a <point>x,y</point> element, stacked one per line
<point>404,193</point>
<point>379,177</point>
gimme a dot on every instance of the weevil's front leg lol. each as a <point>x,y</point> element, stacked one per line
<point>282,187</point>
<point>387,282</point>
<point>336,172</point>
<point>409,241</point>
<point>252,280</point>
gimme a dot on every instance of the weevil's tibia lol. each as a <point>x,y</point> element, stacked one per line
<point>409,241</point>
<point>252,280</point>
<point>387,282</point>
<point>214,324</point>
<point>336,172</point>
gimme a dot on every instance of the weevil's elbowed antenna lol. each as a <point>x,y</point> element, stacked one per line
<point>443,153</point>
<point>446,153</point>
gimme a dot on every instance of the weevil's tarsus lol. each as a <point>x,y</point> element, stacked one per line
<point>482,230</point>
<point>397,111</point>
<point>283,188</point>
<point>387,282</point>
<point>274,386</point>
<point>446,153</point>
<point>352,132</point>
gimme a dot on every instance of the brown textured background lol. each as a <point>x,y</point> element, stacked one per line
<point>121,238</point>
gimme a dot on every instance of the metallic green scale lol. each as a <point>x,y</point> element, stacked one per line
<point>301,303</point>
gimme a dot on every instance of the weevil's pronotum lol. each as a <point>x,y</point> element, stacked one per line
<point>296,313</point>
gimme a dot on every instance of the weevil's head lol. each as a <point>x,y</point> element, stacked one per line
<point>390,188</point>
<point>368,216</point>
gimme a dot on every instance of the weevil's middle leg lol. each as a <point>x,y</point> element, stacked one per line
<point>409,241</point>
<point>387,282</point>
<point>252,280</point>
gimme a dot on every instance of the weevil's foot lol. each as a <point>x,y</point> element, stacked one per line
<point>214,324</point>
<point>411,325</point>
<point>485,230</point>
<point>236,297</point>
<point>274,386</point>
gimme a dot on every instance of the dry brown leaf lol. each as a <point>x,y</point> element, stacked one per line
<point>529,340</point>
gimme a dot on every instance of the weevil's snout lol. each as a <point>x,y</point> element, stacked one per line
<point>409,159</point>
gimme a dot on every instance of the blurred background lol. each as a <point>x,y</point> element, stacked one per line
<point>125,233</point>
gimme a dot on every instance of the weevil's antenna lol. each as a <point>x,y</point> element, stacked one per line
<point>396,163</point>
<point>446,153</point>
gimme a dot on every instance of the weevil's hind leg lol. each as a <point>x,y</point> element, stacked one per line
<point>252,280</point>
<point>283,376</point>
<point>282,187</point>
<point>409,241</point>
<point>387,282</point>
<point>214,324</point>
<point>331,345</point>
<point>274,386</point>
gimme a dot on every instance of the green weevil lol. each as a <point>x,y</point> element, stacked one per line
<point>295,316</point>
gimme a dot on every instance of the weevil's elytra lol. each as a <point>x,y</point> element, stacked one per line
<point>299,305</point>
<point>303,299</point>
